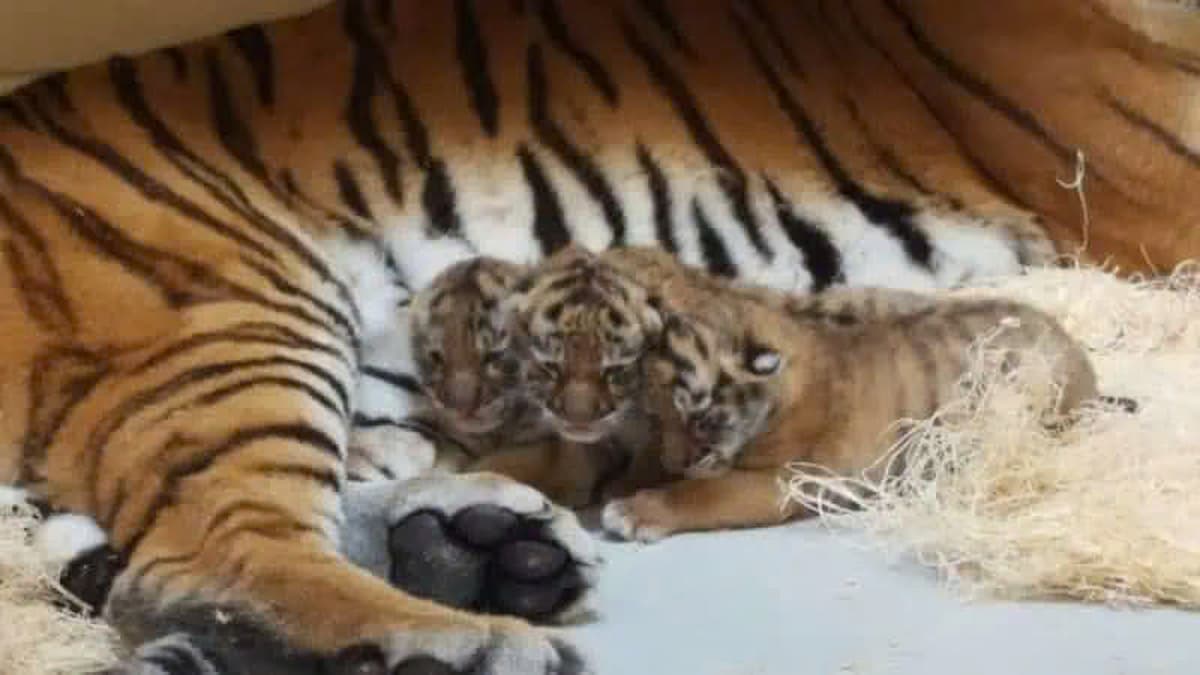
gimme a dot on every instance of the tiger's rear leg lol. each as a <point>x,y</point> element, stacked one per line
<point>214,459</point>
<point>478,546</point>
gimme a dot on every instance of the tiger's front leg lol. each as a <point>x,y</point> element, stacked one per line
<point>215,462</point>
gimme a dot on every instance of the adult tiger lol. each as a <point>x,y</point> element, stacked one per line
<point>204,246</point>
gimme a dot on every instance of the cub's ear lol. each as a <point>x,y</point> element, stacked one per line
<point>653,315</point>
<point>762,361</point>
<point>516,301</point>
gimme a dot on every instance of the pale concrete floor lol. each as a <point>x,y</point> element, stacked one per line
<point>799,601</point>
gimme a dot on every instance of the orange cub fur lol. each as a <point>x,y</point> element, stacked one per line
<point>746,381</point>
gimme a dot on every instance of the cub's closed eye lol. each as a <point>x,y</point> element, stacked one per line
<point>436,358</point>
<point>498,360</point>
<point>620,376</point>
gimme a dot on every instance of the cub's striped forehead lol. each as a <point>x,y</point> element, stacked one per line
<point>479,284</point>
<point>584,297</point>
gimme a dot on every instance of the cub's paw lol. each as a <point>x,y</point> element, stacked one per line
<point>645,517</point>
<point>479,542</point>
<point>515,650</point>
<point>383,450</point>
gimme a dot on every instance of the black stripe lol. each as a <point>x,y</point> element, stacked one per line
<point>437,199</point>
<point>473,60</point>
<point>548,221</point>
<point>150,188</point>
<point>716,258</point>
<point>244,333</point>
<point>60,379</point>
<point>893,215</point>
<point>981,89</point>
<point>438,196</point>
<point>660,197</point>
<point>255,46</point>
<point>887,157</point>
<point>179,62</point>
<point>821,257</point>
<point>360,116</point>
<point>660,13</point>
<point>353,228</point>
<point>136,403</point>
<point>55,84</point>
<point>729,175</point>
<point>38,280</point>
<point>1172,142</point>
<point>222,187</point>
<point>401,381</point>
<point>985,174</point>
<point>179,280</point>
<point>197,464</point>
<point>587,62</point>
<point>280,282</point>
<point>326,478</point>
<point>348,190</point>
<point>10,107</point>
<point>237,507</point>
<point>576,161</point>
<point>232,390</point>
<point>236,137</point>
<point>771,26</point>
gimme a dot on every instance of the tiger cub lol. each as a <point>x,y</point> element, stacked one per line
<point>752,386</point>
<point>584,327</point>
<point>468,364</point>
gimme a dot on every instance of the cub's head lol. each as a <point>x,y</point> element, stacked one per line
<point>714,390</point>
<point>466,359</point>
<point>586,328</point>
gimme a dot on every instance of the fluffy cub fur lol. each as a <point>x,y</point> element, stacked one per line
<point>761,380</point>
<point>469,364</point>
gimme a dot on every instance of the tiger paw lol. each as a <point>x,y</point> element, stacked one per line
<point>645,517</point>
<point>478,542</point>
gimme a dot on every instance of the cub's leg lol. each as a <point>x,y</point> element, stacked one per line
<point>736,499</point>
<point>568,473</point>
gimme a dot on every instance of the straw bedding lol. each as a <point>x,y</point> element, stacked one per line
<point>1105,511</point>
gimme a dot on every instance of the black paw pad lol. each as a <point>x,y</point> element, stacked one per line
<point>531,560</point>
<point>485,559</point>
<point>429,564</point>
<point>485,526</point>
<point>90,576</point>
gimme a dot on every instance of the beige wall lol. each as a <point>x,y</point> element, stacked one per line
<point>41,35</point>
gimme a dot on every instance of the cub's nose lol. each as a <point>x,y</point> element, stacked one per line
<point>461,392</point>
<point>578,403</point>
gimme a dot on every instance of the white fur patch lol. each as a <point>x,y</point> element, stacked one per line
<point>421,258</point>
<point>65,536</point>
<point>370,281</point>
<point>13,498</point>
